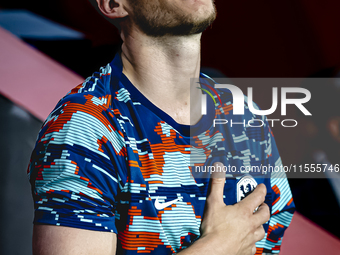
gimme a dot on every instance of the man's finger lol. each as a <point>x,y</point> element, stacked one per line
<point>262,215</point>
<point>256,198</point>
<point>253,250</point>
<point>259,233</point>
<point>217,183</point>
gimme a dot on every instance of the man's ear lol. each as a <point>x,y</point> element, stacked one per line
<point>333,126</point>
<point>113,9</point>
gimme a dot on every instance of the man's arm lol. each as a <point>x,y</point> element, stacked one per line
<point>57,240</point>
<point>74,182</point>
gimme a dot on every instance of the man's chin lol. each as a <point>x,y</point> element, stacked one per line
<point>182,29</point>
<point>168,20</point>
<point>200,26</point>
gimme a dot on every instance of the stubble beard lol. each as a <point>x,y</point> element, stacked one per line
<point>158,18</point>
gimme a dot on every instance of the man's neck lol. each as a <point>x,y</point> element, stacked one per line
<point>161,68</point>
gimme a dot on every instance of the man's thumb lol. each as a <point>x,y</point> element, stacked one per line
<point>217,182</point>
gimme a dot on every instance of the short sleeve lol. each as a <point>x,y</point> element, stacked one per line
<point>75,165</point>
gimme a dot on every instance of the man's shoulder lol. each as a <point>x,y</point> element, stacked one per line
<point>98,84</point>
<point>224,94</point>
<point>94,92</point>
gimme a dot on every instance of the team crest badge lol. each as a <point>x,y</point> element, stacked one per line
<point>245,186</point>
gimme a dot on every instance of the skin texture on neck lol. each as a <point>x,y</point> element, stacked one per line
<point>161,68</point>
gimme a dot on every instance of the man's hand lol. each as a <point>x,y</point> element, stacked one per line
<point>231,230</point>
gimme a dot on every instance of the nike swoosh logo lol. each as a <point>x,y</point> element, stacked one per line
<point>161,206</point>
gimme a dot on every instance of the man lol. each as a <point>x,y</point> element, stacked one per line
<point>110,173</point>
